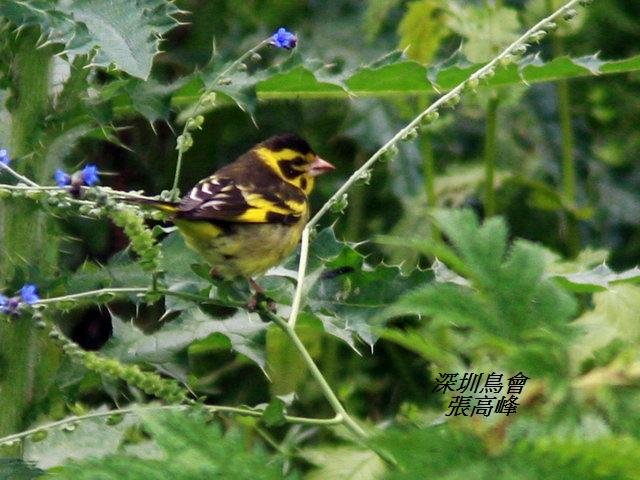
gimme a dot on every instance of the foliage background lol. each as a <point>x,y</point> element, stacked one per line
<point>579,344</point>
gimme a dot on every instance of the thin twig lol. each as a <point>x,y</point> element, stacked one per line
<point>317,374</point>
<point>515,48</point>
<point>22,178</point>
<point>247,412</point>
<point>220,76</point>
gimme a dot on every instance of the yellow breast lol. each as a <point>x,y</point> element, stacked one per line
<point>242,249</point>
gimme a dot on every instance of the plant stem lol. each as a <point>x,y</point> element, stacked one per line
<point>22,178</point>
<point>133,410</point>
<point>475,77</point>
<point>220,76</point>
<point>302,270</point>
<point>27,361</point>
<point>331,397</point>
<point>429,172</point>
<point>490,142</point>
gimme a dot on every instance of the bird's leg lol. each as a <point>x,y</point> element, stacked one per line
<point>259,296</point>
<point>215,274</point>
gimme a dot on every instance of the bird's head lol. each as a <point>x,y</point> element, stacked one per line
<point>293,160</point>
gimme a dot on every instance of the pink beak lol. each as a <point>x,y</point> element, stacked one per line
<point>320,166</point>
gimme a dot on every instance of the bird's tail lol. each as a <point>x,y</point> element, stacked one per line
<point>163,206</point>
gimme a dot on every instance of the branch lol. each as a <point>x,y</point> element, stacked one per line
<point>515,49</point>
<point>182,144</point>
<point>247,412</point>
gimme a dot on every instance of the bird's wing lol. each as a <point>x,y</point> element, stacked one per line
<point>223,199</point>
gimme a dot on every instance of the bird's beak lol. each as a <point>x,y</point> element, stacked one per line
<point>320,166</point>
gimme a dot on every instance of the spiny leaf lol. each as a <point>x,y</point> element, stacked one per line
<point>16,469</point>
<point>191,448</point>
<point>240,332</point>
<point>91,438</point>
<point>406,77</point>
<point>344,292</point>
<point>422,28</point>
<point>123,34</point>
<point>598,279</point>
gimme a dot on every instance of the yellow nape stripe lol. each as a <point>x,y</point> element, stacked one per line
<point>273,157</point>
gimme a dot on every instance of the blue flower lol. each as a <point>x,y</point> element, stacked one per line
<point>4,302</point>
<point>4,157</point>
<point>90,175</point>
<point>9,305</point>
<point>62,178</point>
<point>29,294</point>
<point>284,39</point>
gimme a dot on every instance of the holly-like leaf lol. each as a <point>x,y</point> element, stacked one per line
<point>242,332</point>
<point>344,292</point>
<point>191,447</point>
<point>422,29</point>
<point>343,462</point>
<point>120,32</point>
<point>598,279</point>
<point>90,438</point>
<point>407,77</point>
<point>16,469</point>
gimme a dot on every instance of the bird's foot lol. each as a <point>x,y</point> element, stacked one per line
<point>259,297</point>
<point>215,274</point>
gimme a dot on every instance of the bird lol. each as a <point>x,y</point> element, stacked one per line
<point>249,215</point>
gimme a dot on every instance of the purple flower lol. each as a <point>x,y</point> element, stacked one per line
<point>4,302</point>
<point>62,178</point>
<point>90,175</point>
<point>284,39</point>
<point>29,294</point>
<point>4,157</point>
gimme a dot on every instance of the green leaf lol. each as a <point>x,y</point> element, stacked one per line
<point>487,30</point>
<point>285,367</point>
<point>123,33</point>
<point>422,29</point>
<point>344,292</point>
<point>453,453</point>
<point>614,317</point>
<point>90,438</point>
<point>509,302</point>
<point>16,469</point>
<point>241,332</point>
<point>273,415</point>
<point>191,448</point>
<point>407,77</point>
<point>598,279</point>
<point>343,462</point>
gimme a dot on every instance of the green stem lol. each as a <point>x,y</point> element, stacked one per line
<point>219,77</point>
<point>25,235</point>
<point>331,397</point>
<point>247,412</point>
<point>568,159</point>
<point>429,172</point>
<point>490,145</point>
<point>128,290</point>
